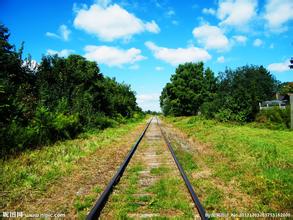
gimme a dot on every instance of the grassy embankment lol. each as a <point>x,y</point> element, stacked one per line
<point>256,162</point>
<point>32,171</point>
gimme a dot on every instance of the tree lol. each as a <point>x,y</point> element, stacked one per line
<point>56,100</point>
<point>189,88</point>
<point>241,90</point>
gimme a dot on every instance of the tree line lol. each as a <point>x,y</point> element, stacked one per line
<point>233,95</point>
<point>56,99</point>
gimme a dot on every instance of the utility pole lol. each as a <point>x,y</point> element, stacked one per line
<point>291,63</point>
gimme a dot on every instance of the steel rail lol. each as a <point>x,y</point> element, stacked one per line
<point>194,197</point>
<point>100,203</point>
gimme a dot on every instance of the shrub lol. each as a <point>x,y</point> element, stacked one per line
<point>65,126</point>
<point>102,122</point>
<point>275,118</point>
<point>224,115</point>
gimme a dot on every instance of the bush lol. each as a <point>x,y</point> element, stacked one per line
<point>65,126</point>
<point>102,122</point>
<point>274,118</point>
<point>224,115</point>
<point>208,109</point>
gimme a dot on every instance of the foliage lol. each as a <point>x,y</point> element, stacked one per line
<point>189,88</point>
<point>232,96</point>
<point>240,91</point>
<point>274,118</point>
<point>56,99</point>
<point>286,87</point>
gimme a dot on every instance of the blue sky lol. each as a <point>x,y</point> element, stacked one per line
<point>141,42</point>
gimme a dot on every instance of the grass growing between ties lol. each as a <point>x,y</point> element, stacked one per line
<point>168,199</point>
<point>164,197</point>
<point>238,167</point>
<point>120,204</point>
<point>34,170</point>
<point>83,204</point>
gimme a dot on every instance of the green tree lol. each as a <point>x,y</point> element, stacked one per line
<point>241,90</point>
<point>189,88</point>
<point>56,100</point>
<point>17,87</point>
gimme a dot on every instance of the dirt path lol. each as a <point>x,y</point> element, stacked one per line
<point>151,185</point>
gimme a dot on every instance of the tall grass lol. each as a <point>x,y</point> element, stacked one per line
<point>259,160</point>
<point>34,170</point>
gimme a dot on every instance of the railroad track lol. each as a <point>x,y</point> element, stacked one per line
<point>101,202</point>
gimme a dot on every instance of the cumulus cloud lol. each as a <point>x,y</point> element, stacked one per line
<point>149,101</point>
<point>152,27</point>
<point>279,67</point>
<point>61,53</point>
<point>63,33</point>
<point>211,37</point>
<point>209,11</point>
<point>111,22</point>
<point>278,13</point>
<point>112,56</point>
<point>221,59</point>
<point>240,39</point>
<point>257,42</point>
<point>175,56</point>
<point>237,13</point>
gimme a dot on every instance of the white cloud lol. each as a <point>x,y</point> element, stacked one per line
<point>211,37</point>
<point>32,65</point>
<point>61,53</point>
<point>279,67</point>
<point>63,31</point>
<point>237,13</point>
<point>170,13</point>
<point>149,101</point>
<point>272,46</point>
<point>112,56</point>
<point>240,39</point>
<point>278,13</point>
<point>209,11</point>
<point>257,42</point>
<point>175,22</point>
<point>175,56</point>
<point>152,27</point>
<point>52,35</point>
<point>221,59</point>
<point>159,68</point>
<point>111,22</point>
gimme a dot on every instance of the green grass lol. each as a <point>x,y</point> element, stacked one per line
<point>34,170</point>
<point>124,203</point>
<point>259,160</point>
<point>168,197</point>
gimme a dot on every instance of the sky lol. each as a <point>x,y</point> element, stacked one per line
<point>142,42</point>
